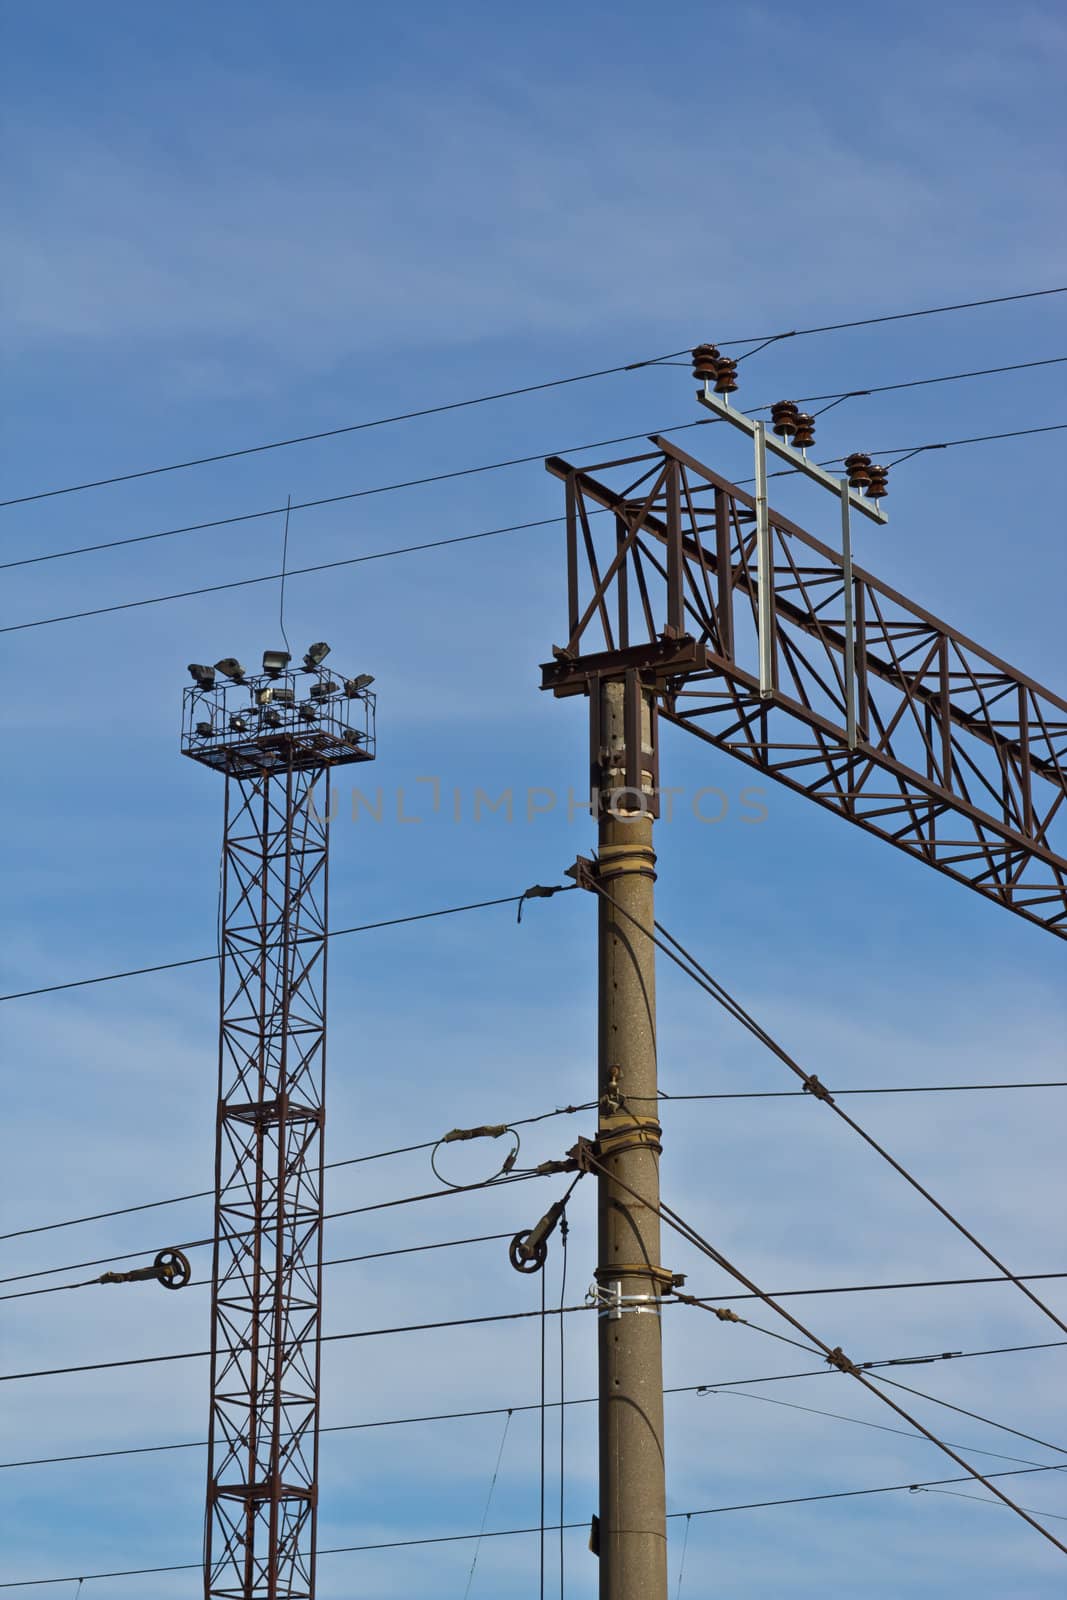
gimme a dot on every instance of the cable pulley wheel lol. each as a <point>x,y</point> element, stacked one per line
<point>173,1269</point>
<point>522,1262</point>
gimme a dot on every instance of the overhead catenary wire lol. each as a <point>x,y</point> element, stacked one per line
<point>833,1355</point>
<point>508,1533</point>
<point>921,1394</point>
<point>911,1088</point>
<point>773,1094</point>
<point>950,1405</point>
<point>586,1400</point>
<point>508,394</point>
<point>352,427</point>
<point>337,1261</point>
<point>329,1216</point>
<point>332,933</point>
<point>466,538</point>
<point>329,1166</point>
<point>880,1427</point>
<point>980,1500</point>
<point>327,1338</point>
<point>688,963</point>
<point>456,1322</point>
<point>836,398</point>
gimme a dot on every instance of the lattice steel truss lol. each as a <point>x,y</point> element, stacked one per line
<point>267,1275</point>
<point>960,759</point>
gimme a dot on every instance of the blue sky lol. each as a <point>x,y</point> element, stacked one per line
<point>226,225</point>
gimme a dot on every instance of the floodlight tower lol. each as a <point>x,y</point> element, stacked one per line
<point>272,735</point>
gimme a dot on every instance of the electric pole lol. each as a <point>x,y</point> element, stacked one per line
<point>629,1277</point>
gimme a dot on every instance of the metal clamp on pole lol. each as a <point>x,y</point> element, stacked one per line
<point>623,1130</point>
<point>612,1305</point>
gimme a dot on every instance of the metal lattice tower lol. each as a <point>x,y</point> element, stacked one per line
<point>273,736</point>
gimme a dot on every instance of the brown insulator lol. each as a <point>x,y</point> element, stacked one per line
<point>879,485</point>
<point>706,363</point>
<point>726,380</point>
<point>858,467</point>
<point>784,417</point>
<point>804,433</point>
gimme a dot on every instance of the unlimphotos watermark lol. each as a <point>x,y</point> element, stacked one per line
<point>709,804</point>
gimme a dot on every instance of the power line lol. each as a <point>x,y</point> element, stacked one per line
<point>922,383</point>
<point>896,316</point>
<point>339,499</point>
<point>980,1500</point>
<point>507,1316</point>
<point>508,1533</point>
<point>882,1427</point>
<point>437,544</point>
<point>951,444</point>
<point>759,1094</point>
<point>512,461</point>
<point>333,433</point>
<point>378,1255</point>
<point>329,1216</point>
<point>340,1261</point>
<point>508,394</point>
<point>688,963</point>
<point>586,1400</point>
<point>976,1416</point>
<point>327,1338</point>
<point>835,1356</point>
<point>921,1088</point>
<point>194,961</point>
<point>330,1166</point>
<point>868,1288</point>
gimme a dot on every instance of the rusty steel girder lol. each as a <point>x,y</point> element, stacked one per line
<point>958,758</point>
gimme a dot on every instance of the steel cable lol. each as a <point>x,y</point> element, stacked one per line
<point>711,986</point>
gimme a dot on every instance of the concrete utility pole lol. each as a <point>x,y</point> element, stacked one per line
<point>630,1280</point>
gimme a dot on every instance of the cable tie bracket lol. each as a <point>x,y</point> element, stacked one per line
<point>837,1358</point>
<point>582,1156</point>
<point>584,872</point>
<point>819,1090</point>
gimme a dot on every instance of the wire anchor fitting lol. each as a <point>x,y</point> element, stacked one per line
<point>170,1268</point>
<point>528,1251</point>
<point>724,1313</point>
<point>541,891</point>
